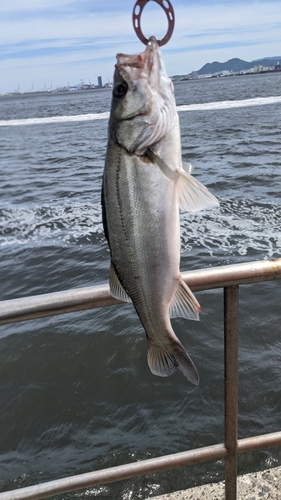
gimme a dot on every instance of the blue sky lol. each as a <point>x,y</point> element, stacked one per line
<point>44,42</point>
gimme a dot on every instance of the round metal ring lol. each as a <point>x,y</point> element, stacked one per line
<point>169,11</point>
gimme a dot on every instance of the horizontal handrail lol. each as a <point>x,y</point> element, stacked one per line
<point>136,469</point>
<point>228,277</point>
<point>51,304</point>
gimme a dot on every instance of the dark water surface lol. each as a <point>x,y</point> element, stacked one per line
<point>75,390</point>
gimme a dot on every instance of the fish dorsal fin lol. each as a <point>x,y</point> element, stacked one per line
<point>185,304</point>
<point>116,289</point>
<point>192,195</point>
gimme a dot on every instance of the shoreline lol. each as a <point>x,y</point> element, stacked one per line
<point>175,79</point>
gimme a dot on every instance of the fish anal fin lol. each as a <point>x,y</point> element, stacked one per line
<point>116,289</point>
<point>163,360</point>
<point>192,195</point>
<point>185,304</point>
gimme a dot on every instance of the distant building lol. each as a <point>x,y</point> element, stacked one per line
<point>99,82</point>
<point>193,74</point>
<point>257,69</point>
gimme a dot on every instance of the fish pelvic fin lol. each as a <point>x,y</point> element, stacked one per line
<point>163,360</point>
<point>184,304</point>
<point>116,289</point>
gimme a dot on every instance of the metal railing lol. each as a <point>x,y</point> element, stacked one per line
<point>227,277</point>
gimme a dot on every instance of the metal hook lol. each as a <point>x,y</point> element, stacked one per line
<point>169,11</point>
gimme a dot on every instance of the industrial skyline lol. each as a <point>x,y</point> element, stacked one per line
<point>41,38</point>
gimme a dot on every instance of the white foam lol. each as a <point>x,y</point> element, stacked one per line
<point>236,228</point>
<point>62,224</point>
<point>206,106</point>
<point>55,119</point>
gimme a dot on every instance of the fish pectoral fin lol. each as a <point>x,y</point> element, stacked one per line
<point>116,289</point>
<point>192,195</point>
<point>185,304</point>
<point>166,170</point>
<point>163,360</point>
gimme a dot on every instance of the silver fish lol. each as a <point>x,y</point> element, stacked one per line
<point>144,185</point>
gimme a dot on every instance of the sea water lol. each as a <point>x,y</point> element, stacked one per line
<point>75,390</point>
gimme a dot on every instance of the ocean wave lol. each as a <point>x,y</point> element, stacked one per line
<point>62,225</point>
<point>209,106</point>
<point>55,119</point>
<point>206,106</point>
<point>236,228</point>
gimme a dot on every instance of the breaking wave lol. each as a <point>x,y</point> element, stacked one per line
<point>61,224</point>
<point>55,119</point>
<point>207,106</point>
<point>236,228</point>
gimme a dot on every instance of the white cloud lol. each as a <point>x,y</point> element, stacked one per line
<point>73,34</point>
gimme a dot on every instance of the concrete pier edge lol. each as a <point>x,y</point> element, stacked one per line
<point>264,485</point>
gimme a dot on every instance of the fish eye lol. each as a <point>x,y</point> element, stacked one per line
<point>120,89</point>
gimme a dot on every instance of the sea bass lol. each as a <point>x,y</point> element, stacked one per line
<point>144,185</point>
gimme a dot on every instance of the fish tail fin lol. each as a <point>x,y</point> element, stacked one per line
<point>163,360</point>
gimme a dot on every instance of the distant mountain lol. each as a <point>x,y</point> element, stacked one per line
<point>236,65</point>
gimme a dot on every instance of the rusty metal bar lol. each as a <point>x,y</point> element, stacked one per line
<point>144,467</point>
<point>228,277</point>
<point>112,474</point>
<point>68,301</point>
<point>235,274</point>
<point>231,305</point>
<point>259,442</point>
<point>51,304</point>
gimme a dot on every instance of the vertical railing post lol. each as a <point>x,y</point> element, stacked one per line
<point>231,305</point>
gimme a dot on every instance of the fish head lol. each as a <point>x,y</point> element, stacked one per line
<point>143,106</point>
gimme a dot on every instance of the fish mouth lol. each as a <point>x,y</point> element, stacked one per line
<point>150,100</point>
<point>146,64</point>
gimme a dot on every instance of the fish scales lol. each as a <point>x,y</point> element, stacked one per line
<point>137,222</point>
